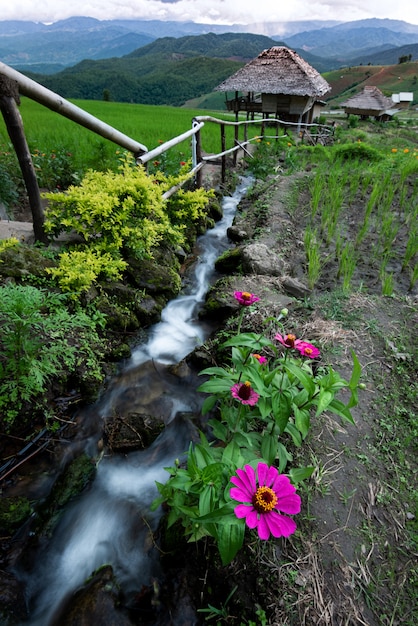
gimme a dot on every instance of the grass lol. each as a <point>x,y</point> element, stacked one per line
<point>47,131</point>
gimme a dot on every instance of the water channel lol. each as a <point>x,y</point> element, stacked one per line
<point>105,525</point>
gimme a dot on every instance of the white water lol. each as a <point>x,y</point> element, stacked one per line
<point>106,524</point>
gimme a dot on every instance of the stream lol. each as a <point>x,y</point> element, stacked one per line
<point>105,525</point>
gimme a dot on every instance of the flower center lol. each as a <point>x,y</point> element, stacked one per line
<point>245,295</point>
<point>290,340</point>
<point>245,390</point>
<point>308,350</point>
<point>264,500</point>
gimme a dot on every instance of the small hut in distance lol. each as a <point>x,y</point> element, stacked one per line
<point>279,83</point>
<point>369,103</point>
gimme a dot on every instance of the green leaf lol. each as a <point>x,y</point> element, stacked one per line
<point>324,398</point>
<point>216,385</point>
<point>219,430</point>
<point>206,500</point>
<point>283,455</point>
<point>302,376</point>
<point>231,454</point>
<point>302,420</point>
<point>219,515</point>
<point>230,540</point>
<point>208,404</point>
<point>337,407</point>
<point>269,448</point>
<point>356,374</point>
<point>250,340</point>
<point>212,474</point>
<point>297,474</point>
<point>294,433</point>
<point>282,409</point>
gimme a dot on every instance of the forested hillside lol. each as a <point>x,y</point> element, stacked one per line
<point>172,71</point>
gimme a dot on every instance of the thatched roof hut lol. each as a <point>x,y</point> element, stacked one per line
<point>287,85</point>
<point>369,103</point>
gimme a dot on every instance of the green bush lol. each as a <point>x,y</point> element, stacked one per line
<point>41,341</point>
<point>118,215</point>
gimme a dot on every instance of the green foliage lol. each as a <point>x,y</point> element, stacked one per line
<point>287,393</point>
<point>270,156</point>
<point>54,170</point>
<point>116,215</point>
<point>358,151</point>
<point>11,242</point>
<point>79,269</point>
<point>10,183</point>
<point>40,341</point>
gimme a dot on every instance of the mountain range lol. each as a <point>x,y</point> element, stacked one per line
<point>122,62</point>
<point>48,48</point>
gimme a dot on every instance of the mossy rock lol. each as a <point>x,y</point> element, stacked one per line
<point>155,278</point>
<point>74,479</point>
<point>22,261</point>
<point>229,261</point>
<point>13,512</point>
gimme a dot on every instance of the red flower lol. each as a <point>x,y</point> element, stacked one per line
<point>245,298</point>
<point>307,349</point>
<point>288,341</point>
<point>244,393</point>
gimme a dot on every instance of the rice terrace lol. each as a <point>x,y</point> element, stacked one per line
<point>292,499</point>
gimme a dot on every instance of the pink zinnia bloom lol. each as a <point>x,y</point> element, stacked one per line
<point>307,349</point>
<point>261,359</point>
<point>289,341</point>
<point>245,298</point>
<point>262,503</point>
<point>244,393</point>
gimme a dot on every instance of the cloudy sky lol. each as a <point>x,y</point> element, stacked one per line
<point>211,11</point>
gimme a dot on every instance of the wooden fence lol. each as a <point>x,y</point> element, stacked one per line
<point>13,83</point>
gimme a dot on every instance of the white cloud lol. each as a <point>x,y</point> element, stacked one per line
<point>211,11</point>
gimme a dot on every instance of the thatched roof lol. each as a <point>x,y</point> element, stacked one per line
<point>277,70</point>
<point>370,99</point>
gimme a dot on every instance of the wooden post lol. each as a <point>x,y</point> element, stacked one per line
<point>9,99</point>
<point>198,159</point>
<point>236,138</point>
<point>223,147</point>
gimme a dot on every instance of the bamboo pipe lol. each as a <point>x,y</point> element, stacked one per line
<point>42,95</point>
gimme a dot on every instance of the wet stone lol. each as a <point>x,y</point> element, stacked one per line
<point>135,431</point>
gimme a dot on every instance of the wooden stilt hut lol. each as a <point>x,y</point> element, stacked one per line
<point>278,83</point>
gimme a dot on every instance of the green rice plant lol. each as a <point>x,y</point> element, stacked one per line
<point>387,281</point>
<point>49,132</point>
<point>347,265</point>
<point>317,191</point>
<point>339,244</point>
<point>414,277</point>
<point>371,204</point>
<point>353,187</point>
<point>313,256</point>
<point>333,204</point>
<point>411,249</point>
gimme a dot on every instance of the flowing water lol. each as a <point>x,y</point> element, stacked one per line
<point>105,525</point>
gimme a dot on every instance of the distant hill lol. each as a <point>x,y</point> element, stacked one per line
<point>176,71</point>
<point>67,42</point>
<point>351,40</point>
<point>389,79</point>
<point>388,56</point>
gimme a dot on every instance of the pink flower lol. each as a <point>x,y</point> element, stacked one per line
<point>262,503</point>
<point>261,359</point>
<point>244,393</point>
<point>307,349</point>
<point>289,341</point>
<point>245,298</point>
